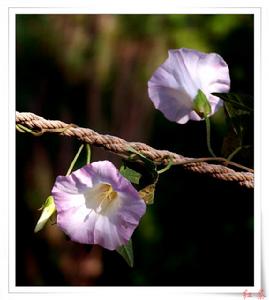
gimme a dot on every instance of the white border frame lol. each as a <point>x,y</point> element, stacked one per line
<point>99,8</point>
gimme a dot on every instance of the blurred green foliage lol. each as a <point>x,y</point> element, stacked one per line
<point>92,70</point>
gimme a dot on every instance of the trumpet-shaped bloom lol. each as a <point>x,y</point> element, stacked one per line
<point>97,205</point>
<point>175,84</point>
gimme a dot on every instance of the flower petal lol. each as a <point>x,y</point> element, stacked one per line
<point>213,73</point>
<point>67,189</point>
<point>77,223</point>
<point>106,233</point>
<point>174,104</point>
<point>184,64</point>
<point>164,77</point>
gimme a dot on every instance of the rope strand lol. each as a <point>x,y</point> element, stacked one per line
<point>121,147</point>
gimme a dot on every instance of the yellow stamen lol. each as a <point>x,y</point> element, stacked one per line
<point>100,197</point>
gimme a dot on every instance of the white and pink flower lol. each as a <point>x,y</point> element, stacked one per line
<point>97,205</point>
<point>175,84</point>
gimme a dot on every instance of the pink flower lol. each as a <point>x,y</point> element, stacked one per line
<point>97,205</point>
<point>175,84</point>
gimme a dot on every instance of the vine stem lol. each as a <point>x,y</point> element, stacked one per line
<point>166,168</point>
<point>74,160</point>
<point>215,158</point>
<point>238,149</point>
<point>208,137</point>
<point>89,153</point>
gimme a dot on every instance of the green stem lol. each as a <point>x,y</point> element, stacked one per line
<point>88,148</point>
<point>238,149</point>
<point>74,160</point>
<point>24,129</point>
<point>217,159</point>
<point>19,128</point>
<point>166,168</point>
<point>208,130</point>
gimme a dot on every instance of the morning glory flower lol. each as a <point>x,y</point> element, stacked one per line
<point>176,83</point>
<point>97,205</point>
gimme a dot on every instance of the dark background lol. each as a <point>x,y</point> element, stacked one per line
<point>92,70</point>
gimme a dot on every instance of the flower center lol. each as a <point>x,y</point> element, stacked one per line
<point>100,197</point>
<point>107,192</point>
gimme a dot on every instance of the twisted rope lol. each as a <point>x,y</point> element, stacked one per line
<point>39,125</point>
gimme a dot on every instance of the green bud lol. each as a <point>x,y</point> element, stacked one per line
<point>201,105</point>
<point>48,210</point>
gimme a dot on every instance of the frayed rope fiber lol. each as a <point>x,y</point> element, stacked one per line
<point>39,125</point>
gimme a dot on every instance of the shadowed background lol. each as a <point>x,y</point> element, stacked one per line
<point>92,70</point>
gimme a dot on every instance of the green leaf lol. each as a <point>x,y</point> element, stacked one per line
<point>148,175</point>
<point>242,122</point>
<point>239,109</point>
<point>130,174</point>
<point>231,141</point>
<point>147,193</point>
<point>48,210</point>
<point>201,105</point>
<point>148,163</point>
<point>237,118</point>
<point>147,170</point>
<point>238,101</point>
<point>126,251</point>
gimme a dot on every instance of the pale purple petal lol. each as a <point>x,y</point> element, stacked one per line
<point>177,103</point>
<point>164,76</point>
<point>184,71</point>
<point>86,215</point>
<point>214,74</point>
<point>77,224</point>
<point>106,233</point>
<point>215,103</point>
<point>68,188</point>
